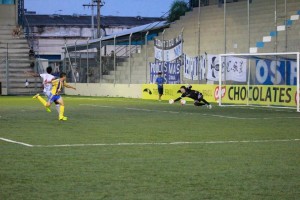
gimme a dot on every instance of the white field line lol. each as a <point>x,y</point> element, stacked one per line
<point>152,143</point>
<point>169,143</point>
<point>16,142</point>
<point>204,114</point>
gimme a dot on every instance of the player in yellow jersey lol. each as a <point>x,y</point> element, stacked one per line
<point>57,86</point>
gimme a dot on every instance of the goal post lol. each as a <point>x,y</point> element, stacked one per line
<point>259,79</point>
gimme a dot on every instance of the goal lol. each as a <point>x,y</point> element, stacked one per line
<point>260,79</point>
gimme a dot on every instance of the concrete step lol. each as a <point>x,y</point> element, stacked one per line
<point>25,91</point>
<point>13,41</point>
<point>15,50</point>
<point>14,46</point>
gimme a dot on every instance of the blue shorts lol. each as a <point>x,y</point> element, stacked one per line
<point>54,98</point>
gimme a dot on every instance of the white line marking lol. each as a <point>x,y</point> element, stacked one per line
<point>170,143</point>
<point>16,142</point>
<point>94,105</point>
<point>151,143</point>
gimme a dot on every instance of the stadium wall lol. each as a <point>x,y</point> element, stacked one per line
<point>111,90</point>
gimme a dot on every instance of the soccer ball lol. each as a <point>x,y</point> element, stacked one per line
<point>171,101</point>
<point>182,101</point>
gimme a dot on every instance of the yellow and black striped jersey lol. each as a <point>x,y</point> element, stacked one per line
<point>57,86</point>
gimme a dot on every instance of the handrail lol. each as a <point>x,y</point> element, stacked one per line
<point>39,67</point>
<point>28,34</point>
<point>70,62</point>
<point>4,60</point>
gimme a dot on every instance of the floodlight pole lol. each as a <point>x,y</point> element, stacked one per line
<point>76,52</point>
<point>87,61</point>
<point>220,79</point>
<point>275,22</point>
<point>7,70</point>
<point>199,41</point>
<point>100,60</point>
<point>146,54</point>
<point>225,43</point>
<point>199,11</point>
<point>162,51</point>
<point>181,69</point>
<point>286,33</point>
<point>286,38</point>
<point>248,8</point>
<point>115,59</point>
<point>93,23</point>
<point>298,83</point>
<point>130,58</point>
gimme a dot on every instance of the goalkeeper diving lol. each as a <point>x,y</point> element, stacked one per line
<point>193,94</point>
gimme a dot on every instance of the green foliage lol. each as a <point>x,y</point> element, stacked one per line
<point>257,170</point>
<point>178,8</point>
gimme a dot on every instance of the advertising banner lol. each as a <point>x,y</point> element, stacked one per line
<point>231,94</point>
<point>276,72</point>
<point>171,91</point>
<point>269,95</point>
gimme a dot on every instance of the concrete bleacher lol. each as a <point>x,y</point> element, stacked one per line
<point>18,61</point>
<point>212,39</point>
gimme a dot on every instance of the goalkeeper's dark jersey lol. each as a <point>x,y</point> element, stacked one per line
<point>193,94</point>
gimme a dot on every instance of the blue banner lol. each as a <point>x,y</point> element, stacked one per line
<point>270,72</point>
<point>170,70</point>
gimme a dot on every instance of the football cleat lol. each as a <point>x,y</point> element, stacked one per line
<point>63,118</point>
<point>48,109</point>
<point>209,106</point>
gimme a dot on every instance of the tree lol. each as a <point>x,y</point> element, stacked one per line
<point>178,8</point>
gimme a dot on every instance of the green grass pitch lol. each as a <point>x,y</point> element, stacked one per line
<point>115,148</point>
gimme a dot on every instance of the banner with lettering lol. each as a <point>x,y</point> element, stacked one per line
<point>191,68</point>
<point>194,67</point>
<point>168,50</point>
<point>272,72</point>
<point>170,70</point>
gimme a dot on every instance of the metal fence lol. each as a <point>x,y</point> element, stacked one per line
<point>107,61</point>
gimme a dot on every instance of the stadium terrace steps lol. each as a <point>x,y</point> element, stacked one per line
<point>212,34</point>
<point>18,63</point>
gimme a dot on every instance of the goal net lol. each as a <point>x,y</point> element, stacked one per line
<point>261,79</point>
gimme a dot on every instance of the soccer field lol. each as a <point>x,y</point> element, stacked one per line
<point>116,148</point>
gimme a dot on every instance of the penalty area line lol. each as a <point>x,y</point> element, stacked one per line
<point>169,143</point>
<point>16,142</point>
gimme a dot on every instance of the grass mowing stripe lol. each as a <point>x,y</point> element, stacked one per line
<point>204,114</point>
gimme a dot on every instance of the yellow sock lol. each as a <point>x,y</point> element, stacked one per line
<point>42,100</point>
<point>61,111</point>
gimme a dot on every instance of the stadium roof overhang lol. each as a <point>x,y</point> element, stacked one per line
<point>122,38</point>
